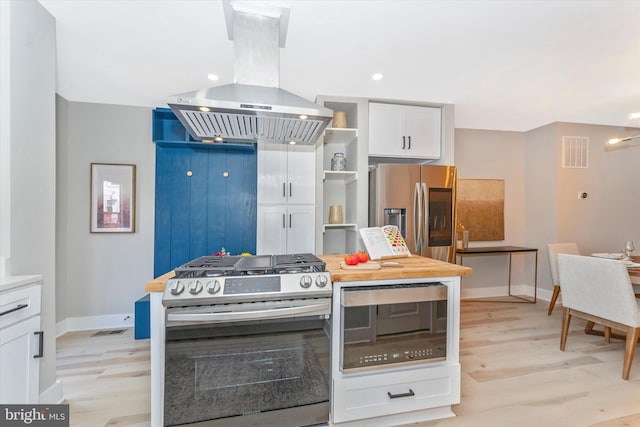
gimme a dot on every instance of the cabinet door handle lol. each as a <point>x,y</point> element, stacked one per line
<point>290,190</point>
<point>403,142</point>
<point>284,189</point>
<point>407,394</point>
<point>16,308</point>
<point>289,220</point>
<point>284,225</point>
<point>40,344</point>
<point>409,147</point>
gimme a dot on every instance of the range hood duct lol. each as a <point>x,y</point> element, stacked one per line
<point>254,108</point>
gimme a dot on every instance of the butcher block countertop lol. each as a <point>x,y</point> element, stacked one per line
<point>158,284</point>
<point>412,267</point>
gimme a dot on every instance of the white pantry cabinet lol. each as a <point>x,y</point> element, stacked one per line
<point>286,229</point>
<point>286,199</point>
<point>404,131</point>
<point>20,339</point>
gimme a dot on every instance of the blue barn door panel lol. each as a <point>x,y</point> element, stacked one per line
<point>217,204</point>
<point>242,190</point>
<point>233,217</point>
<point>162,239</point>
<point>171,246</point>
<point>199,214</point>
<point>200,181</point>
<point>180,226</point>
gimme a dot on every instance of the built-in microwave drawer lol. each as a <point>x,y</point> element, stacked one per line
<point>18,304</point>
<point>359,398</point>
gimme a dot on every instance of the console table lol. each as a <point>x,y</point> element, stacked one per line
<point>505,250</point>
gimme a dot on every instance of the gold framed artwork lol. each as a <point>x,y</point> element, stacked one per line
<point>113,198</point>
<point>480,208</point>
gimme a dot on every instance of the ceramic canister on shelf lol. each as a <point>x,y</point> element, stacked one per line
<point>338,162</point>
<point>339,119</point>
<point>335,214</point>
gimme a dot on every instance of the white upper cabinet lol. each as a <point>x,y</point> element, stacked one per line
<point>404,131</point>
<point>286,174</point>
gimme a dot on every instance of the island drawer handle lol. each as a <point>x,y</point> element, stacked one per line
<point>395,396</point>
<point>16,308</point>
<point>40,344</point>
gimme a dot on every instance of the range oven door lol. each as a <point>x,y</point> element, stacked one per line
<point>267,371</point>
<point>391,325</point>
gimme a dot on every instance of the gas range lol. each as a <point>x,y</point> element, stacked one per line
<point>231,279</point>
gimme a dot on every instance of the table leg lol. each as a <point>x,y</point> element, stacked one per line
<point>535,279</point>
<point>509,267</point>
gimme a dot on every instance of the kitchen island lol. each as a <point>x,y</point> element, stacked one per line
<point>414,271</point>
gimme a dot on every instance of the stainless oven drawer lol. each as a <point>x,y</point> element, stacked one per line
<point>229,313</point>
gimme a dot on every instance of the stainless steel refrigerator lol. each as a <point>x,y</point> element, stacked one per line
<point>420,200</point>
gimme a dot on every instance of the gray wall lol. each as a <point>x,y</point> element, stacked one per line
<point>482,154</point>
<point>541,203</point>
<point>101,275</point>
<point>30,142</point>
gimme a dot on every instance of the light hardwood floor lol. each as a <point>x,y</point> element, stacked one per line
<point>513,374</point>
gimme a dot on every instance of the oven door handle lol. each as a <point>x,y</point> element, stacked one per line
<point>272,313</point>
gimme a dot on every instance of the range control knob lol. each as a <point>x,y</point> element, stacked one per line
<point>176,288</point>
<point>306,281</point>
<point>213,287</point>
<point>195,287</point>
<point>321,281</point>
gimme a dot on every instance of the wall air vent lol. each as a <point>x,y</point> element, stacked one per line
<point>575,152</point>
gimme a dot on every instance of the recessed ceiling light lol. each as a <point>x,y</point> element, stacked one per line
<point>213,77</point>
<point>204,109</point>
<point>377,76</point>
<point>292,142</point>
<point>303,117</point>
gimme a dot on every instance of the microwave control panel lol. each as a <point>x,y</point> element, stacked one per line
<point>424,354</point>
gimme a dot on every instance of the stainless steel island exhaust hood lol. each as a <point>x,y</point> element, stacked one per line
<point>254,108</point>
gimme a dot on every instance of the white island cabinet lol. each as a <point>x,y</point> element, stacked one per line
<point>20,339</point>
<point>394,381</point>
<point>386,397</point>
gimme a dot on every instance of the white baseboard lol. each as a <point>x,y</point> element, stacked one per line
<point>498,291</point>
<point>109,321</point>
<point>52,395</point>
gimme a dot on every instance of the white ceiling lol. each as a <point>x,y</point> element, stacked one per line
<point>506,65</point>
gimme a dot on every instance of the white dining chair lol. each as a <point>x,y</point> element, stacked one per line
<point>599,290</point>
<point>553,249</point>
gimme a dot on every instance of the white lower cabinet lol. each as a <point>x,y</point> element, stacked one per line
<point>363,397</point>
<point>20,343</point>
<point>285,229</point>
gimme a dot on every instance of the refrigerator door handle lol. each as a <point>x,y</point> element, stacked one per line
<point>425,206</point>
<point>417,222</point>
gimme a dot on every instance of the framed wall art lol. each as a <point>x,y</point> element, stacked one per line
<point>480,208</point>
<point>113,198</point>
